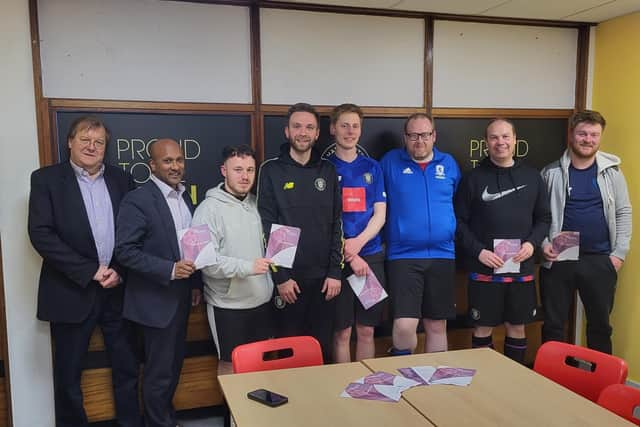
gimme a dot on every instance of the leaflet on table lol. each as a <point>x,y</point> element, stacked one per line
<point>567,245</point>
<point>283,244</point>
<point>506,249</point>
<point>367,288</point>
<point>430,375</point>
<point>381,386</point>
<point>197,246</point>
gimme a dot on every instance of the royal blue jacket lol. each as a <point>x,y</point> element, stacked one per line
<point>421,222</point>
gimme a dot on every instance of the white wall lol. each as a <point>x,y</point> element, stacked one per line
<point>483,65</point>
<point>145,50</point>
<point>331,58</point>
<point>28,338</point>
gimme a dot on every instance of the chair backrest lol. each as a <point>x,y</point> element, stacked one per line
<point>305,351</point>
<point>582,370</point>
<point>622,400</point>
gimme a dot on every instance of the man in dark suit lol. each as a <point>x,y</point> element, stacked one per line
<point>72,207</point>
<point>161,285</point>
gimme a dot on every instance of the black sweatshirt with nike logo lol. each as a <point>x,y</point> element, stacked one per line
<point>494,202</point>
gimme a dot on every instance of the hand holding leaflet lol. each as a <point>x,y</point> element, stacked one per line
<point>283,244</point>
<point>567,245</point>
<point>506,249</point>
<point>197,246</point>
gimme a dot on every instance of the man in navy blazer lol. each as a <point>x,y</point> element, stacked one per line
<point>72,208</point>
<point>161,285</point>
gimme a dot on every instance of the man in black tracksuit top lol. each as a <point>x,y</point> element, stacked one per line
<point>300,189</point>
<point>501,199</point>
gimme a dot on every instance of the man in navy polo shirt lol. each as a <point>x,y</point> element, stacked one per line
<point>420,182</point>
<point>589,195</point>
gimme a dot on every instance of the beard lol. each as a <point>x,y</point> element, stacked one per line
<point>583,154</point>
<point>301,146</point>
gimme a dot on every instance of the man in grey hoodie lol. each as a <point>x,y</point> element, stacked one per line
<point>588,194</point>
<point>237,288</point>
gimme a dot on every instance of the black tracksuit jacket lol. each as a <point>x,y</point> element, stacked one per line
<point>305,196</point>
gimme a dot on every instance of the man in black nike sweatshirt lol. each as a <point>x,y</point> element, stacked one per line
<point>501,199</point>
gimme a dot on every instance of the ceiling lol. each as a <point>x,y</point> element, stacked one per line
<point>557,10</point>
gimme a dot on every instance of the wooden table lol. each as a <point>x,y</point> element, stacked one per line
<point>502,393</point>
<point>314,400</point>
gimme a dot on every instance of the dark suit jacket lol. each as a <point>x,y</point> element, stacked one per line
<point>59,230</point>
<point>147,245</point>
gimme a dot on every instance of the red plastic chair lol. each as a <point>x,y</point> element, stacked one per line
<point>622,400</point>
<point>305,350</point>
<point>594,372</point>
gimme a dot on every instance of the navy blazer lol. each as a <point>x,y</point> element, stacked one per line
<point>147,245</point>
<point>60,232</point>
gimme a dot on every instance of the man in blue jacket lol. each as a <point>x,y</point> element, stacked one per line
<point>420,230</point>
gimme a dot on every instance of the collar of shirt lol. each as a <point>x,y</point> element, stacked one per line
<point>82,173</point>
<point>166,190</point>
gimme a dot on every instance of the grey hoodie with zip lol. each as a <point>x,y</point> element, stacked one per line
<point>615,199</point>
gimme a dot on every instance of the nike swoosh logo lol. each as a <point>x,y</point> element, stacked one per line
<point>490,197</point>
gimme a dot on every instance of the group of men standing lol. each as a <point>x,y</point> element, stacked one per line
<point>111,256</point>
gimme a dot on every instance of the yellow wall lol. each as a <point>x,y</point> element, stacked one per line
<point>616,94</point>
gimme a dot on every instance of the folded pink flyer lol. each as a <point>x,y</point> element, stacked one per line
<point>506,249</point>
<point>367,288</point>
<point>196,245</point>
<point>567,245</point>
<point>283,244</point>
<point>380,385</point>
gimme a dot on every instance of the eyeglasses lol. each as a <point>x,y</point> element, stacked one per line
<point>415,136</point>
<point>98,144</point>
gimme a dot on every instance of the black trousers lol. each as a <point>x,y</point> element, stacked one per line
<point>71,342</point>
<point>310,315</point>
<point>164,353</point>
<point>594,277</point>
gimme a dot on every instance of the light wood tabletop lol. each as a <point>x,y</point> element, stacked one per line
<point>314,400</point>
<point>502,393</point>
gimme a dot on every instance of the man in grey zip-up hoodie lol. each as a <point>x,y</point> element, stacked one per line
<point>588,194</point>
<point>237,287</point>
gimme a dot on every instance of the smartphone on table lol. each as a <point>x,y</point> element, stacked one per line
<point>267,397</point>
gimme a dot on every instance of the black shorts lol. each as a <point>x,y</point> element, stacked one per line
<point>422,288</point>
<point>349,310</point>
<point>491,304</point>
<point>233,327</point>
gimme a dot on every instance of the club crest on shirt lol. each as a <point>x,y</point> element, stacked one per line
<point>440,172</point>
<point>279,302</point>
<point>320,184</point>
<point>368,178</point>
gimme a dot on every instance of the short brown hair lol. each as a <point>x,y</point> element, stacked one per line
<point>586,116</point>
<point>415,116</point>
<point>345,108</point>
<point>304,108</point>
<point>87,123</point>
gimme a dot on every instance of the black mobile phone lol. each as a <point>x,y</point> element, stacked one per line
<point>267,397</point>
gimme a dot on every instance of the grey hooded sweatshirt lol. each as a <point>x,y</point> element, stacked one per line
<point>236,231</point>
